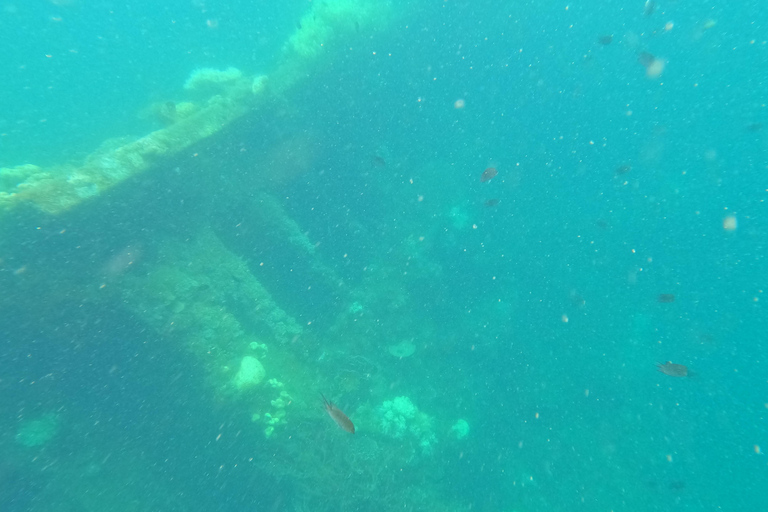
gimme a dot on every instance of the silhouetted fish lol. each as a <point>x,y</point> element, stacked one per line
<point>488,174</point>
<point>646,59</point>
<point>605,40</point>
<point>377,161</point>
<point>666,298</point>
<point>339,417</point>
<point>650,6</point>
<point>491,203</point>
<point>673,370</point>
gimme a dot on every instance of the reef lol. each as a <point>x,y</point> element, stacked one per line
<point>400,419</point>
<point>192,279</point>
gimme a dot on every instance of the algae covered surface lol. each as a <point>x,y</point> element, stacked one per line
<point>382,255</point>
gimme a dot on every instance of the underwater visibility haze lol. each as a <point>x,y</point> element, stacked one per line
<point>383,255</point>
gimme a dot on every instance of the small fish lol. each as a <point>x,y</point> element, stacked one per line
<point>650,6</point>
<point>623,169</point>
<point>488,174</point>
<point>377,161</point>
<point>653,65</point>
<point>677,485</point>
<point>605,40</point>
<point>602,224</point>
<point>673,370</point>
<point>491,203</point>
<point>577,299</point>
<point>666,298</point>
<point>646,59</point>
<point>339,417</point>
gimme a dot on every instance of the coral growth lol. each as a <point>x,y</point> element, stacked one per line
<point>212,79</point>
<point>189,300</point>
<point>250,374</point>
<point>277,415</point>
<point>399,418</point>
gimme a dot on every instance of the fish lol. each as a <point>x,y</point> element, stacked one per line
<point>653,66</point>
<point>646,59</point>
<point>672,369</point>
<point>649,7</point>
<point>605,40</point>
<point>341,419</point>
<point>666,298</point>
<point>488,174</point>
<point>491,203</point>
<point>377,161</point>
<point>623,169</point>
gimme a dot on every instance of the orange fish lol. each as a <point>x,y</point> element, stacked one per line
<point>673,370</point>
<point>339,417</point>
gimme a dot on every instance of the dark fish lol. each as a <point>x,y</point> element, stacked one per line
<point>666,298</point>
<point>754,127</point>
<point>339,417</point>
<point>491,203</point>
<point>677,485</point>
<point>298,25</point>
<point>623,169</point>
<point>605,40</point>
<point>488,174</point>
<point>377,161</point>
<point>673,370</point>
<point>646,59</point>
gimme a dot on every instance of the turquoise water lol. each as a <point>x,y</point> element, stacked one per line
<point>536,320</point>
